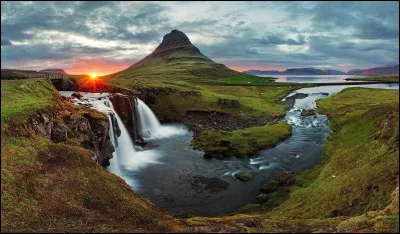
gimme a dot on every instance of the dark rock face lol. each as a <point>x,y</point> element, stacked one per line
<point>93,131</point>
<point>269,187</point>
<point>148,95</point>
<point>66,84</point>
<point>286,178</point>
<point>125,106</point>
<point>308,112</point>
<point>175,39</point>
<point>59,133</point>
<point>77,95</point>
<point>228,103</point>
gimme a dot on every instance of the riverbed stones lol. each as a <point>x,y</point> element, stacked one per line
<point>269,187</point>
<point>308,112</point>
<point>77,95</point>
<point>244,176</point>
<point>286,178</point>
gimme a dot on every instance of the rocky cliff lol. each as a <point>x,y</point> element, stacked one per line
<point>125,106</point>
<point>62,123</point>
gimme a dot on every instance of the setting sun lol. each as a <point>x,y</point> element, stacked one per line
<point>93,76</point>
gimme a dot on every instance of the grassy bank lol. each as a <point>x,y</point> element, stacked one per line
<point>359,170</point>
<point>18,99</point>
<point>244,142</point>
<point>385,79</point>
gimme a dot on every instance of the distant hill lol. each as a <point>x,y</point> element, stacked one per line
<point>176,57</point>
<point>304,71</point>
<point>60,71</point>
<point>295,71</point>
<point>354,71</point>
<point>334,72</point>
<point>260,72</point>
<point>385,70</point>
<point>14,74</point>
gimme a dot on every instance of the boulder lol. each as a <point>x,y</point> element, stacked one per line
<point>244,176</point>
<point>262,197</point>
<point>269,187</point>
<point>286,178</point>
<point>308,112</point>
<point>77,95</point>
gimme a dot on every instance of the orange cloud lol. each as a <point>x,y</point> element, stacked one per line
<point>99,67</point>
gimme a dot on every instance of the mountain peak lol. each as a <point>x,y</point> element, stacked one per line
<point>175,38</point>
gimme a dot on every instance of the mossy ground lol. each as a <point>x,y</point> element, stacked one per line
<point>388,79</point>
<point>244,142</point>
<point>18,99</point>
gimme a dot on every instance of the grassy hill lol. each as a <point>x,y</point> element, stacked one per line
<point>176,58</point>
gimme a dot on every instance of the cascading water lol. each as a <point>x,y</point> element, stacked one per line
<point>126,160</point>
<point>149,124</point>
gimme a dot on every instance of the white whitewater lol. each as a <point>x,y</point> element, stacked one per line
<point>149,124</point>
<point>126,160</point>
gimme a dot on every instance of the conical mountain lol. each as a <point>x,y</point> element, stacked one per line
<point>176,58</point>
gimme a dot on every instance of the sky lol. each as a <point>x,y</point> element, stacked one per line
<point>106,37</point>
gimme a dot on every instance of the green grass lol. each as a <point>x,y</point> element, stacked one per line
<point>389,79</point>
<point>248,80</point>
<point>242,143</point>
<point>359,170</point>
<point>18,99</point>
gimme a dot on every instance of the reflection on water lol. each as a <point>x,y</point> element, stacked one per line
<point>313,78</point>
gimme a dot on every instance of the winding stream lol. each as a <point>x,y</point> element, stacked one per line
<point>180,181</point>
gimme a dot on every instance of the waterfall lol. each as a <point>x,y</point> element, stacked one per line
<point>149,124</point>
<point>125,158</point>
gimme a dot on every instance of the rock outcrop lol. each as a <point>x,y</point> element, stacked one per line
<point>61,125</point>
<point>125,106</point>
<point>308,112</point>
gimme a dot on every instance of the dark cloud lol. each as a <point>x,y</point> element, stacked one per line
<point>249,33</point>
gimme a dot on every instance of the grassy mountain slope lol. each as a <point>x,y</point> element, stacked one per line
<point>176,58</point>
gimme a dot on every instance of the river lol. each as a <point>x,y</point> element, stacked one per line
<point>180,181</point>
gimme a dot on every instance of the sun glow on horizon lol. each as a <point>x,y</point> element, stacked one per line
<point>93,76</point>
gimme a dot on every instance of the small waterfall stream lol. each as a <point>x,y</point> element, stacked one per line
<point>149,124</point>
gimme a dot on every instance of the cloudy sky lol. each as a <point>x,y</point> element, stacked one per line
<point>105,37</point>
